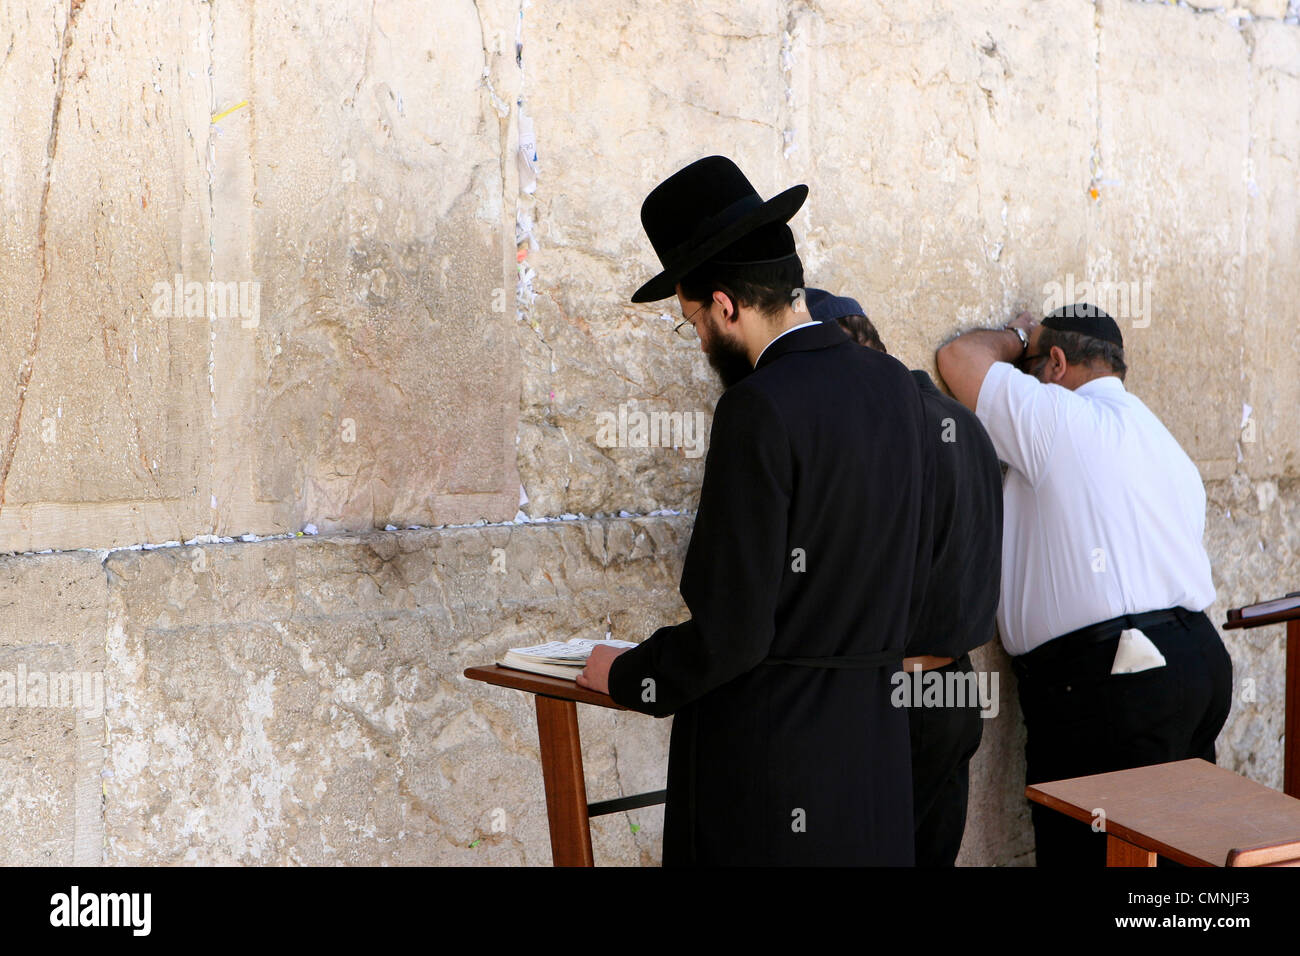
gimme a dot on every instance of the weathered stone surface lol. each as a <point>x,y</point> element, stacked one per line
<point>1186,241</point>
<point>1253,535</point>
<point>364,188</point>
<point>933,200</point>
<point>301,701</point>
<point>348,188</point>
<point>1269,438</point>
<point>1275,9</point>
<point>52,624</point>
<point>998,831</point>
<point>1257,8</point>
<point>102,401</point>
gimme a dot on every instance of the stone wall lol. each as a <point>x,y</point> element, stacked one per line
<point>412,332</point>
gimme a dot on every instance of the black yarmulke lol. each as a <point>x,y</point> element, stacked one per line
<point>1087,320</point>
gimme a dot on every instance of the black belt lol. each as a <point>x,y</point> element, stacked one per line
<point>843,662</point>
<point>1099,633</point>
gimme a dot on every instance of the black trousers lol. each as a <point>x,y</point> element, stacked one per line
<point>943,741</point>
<point>1081,719</point>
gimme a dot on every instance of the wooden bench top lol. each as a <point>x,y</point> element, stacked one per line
<point>1190,811</point>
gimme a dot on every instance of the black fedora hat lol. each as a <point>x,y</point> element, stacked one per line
<point>698,212</point>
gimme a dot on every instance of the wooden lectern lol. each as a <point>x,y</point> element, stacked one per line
<point>567,809</point>
<point>1251,616</point>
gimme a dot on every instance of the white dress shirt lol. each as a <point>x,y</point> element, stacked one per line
<point>1103,511</point>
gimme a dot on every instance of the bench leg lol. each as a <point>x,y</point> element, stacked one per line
<point>566,789</point>
<point>1122,853</point>
<point>1291,742</point>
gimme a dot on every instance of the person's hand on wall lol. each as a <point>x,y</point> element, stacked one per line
<point>1025,320</point>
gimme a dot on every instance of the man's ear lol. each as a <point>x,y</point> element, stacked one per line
<point>730,312</point>
<point>1057,366</point>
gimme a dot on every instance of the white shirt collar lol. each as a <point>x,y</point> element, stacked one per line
<point>1100,383</point>
<point>801,325</point>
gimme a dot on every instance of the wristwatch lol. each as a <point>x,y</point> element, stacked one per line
<point>1020,333</point>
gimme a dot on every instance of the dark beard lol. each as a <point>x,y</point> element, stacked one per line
<point>729,360</point>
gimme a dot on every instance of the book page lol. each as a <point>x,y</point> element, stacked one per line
<point>576,650</point>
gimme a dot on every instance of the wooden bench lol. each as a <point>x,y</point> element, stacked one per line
<point>1189,811</point>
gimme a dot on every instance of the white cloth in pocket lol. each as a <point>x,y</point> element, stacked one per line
<point>1136,653</point>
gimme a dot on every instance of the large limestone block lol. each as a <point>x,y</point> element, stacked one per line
<point>301,700</point>
<point>327,182</point>
<point>52,628</point>
<point>1171,213</point>
<point>102,399</point>
<point>363,187</point>
<point>1270,433</point>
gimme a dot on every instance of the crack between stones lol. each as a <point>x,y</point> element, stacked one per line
<point>249,538</point>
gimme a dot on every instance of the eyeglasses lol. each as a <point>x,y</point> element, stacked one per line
<point>687,322</point>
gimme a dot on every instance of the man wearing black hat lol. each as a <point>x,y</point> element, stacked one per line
<point>1104,574</point>
<point>785,748</point>
<point>957,608</point>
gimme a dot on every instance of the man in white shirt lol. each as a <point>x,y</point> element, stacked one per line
<point>1104,574</point>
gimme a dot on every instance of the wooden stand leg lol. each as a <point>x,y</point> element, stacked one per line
<point>566,789</point>
<point>1122,853</point>
<point>1291,742</point>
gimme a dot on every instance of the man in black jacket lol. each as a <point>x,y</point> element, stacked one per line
<point>785,747</point>
<point>958,608</point>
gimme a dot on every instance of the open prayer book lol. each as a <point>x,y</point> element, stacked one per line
<point>556,658</point>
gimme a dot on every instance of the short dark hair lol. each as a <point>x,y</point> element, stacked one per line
<point>1082,349</point>
<point>760,270</point>
<point>765,286</point>
<point>862,331</point>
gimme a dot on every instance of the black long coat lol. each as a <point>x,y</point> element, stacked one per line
<point>960,605</point>
<point>808,543</point>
